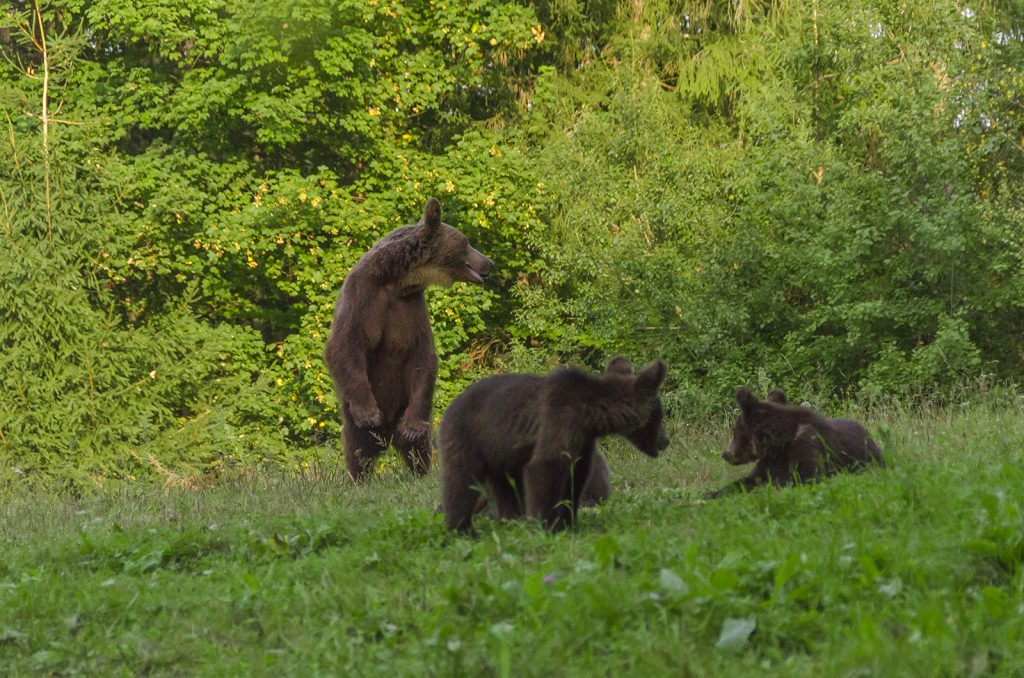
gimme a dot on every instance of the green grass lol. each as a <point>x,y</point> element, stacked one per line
<point>914,570</point>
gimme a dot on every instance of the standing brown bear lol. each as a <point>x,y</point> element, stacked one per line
<point>532,434</point>
<point>793,444</point>
<point>381,351</point>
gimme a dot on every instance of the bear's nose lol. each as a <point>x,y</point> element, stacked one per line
<point>486,268</point>
<point>725,455</point>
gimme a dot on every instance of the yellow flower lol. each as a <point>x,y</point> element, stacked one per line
<point>449,186</point>
<point>373,110</point>
<point>538,33</point>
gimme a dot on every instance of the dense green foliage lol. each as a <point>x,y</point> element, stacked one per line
<point>917,570</point>
<point>823,195</point>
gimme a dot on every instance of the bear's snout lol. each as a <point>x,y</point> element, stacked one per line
<point>479,265</point>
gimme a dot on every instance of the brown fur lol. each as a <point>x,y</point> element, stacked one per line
<point>381,351</point>
<point>596,489</point>
<point>528,439</point>
<point>793,444</point>
<point>599,483</point>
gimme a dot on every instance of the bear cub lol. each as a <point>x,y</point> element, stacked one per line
<point>793,444</point>
<point>381,351</point>
<point>530,440</point>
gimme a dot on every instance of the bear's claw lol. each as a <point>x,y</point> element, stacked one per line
<point>366,417</point>
<point>414,431</point>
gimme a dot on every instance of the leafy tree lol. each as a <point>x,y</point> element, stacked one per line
<point>85,394</point>
<point>787,193</point>
<point>822,195</point>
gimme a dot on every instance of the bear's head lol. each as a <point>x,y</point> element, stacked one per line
<point>753,432</point>
<point>447,257</point>
<point>650,436</point>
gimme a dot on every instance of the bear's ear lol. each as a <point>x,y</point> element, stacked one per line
<point>746,399</point>
<point>619,365</point>
<point>432,215</point>
<point>651,377</point>
<point>777,396</point>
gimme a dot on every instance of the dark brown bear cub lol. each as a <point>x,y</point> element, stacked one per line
<point>381,351</point>
<point>532,435</point>
<point>793,444</point>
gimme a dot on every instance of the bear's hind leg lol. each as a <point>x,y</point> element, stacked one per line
<point>416,454</point>
<point>459,495</point>
<point>507,493</point>
<point>362,445</point>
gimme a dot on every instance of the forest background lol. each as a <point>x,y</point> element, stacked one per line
<point>821,195</point>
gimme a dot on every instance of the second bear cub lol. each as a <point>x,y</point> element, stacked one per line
<point>532,434</point>
<point>793,444</point>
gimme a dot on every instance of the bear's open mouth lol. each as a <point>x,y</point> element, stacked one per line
<point>474,275</point>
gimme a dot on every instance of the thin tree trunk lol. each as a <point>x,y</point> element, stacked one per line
<point>46,121</point>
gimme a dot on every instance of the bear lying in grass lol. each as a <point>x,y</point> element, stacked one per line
<point>532,435</point>
<point>793,444</point>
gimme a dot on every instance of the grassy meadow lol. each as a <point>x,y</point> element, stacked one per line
<point>913,570</point>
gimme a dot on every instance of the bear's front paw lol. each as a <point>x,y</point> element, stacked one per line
<point>366,417</point>
<point>415,431</point>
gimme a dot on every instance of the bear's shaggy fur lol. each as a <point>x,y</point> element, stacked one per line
<point>530,440</point>
<point>793,444</point>
<point>381,351</point>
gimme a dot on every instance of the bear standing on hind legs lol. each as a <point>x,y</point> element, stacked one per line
<point>530,440</point>
<point>381,351</point>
